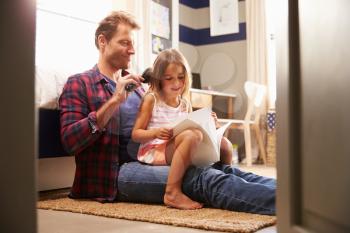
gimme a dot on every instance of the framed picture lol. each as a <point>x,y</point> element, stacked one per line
<point>223,17</point>
<point>161,25</point>
<point>160,20</point>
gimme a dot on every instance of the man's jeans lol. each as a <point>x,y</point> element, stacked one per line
<point>218,186</point>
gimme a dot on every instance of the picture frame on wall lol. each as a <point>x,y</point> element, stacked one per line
<point>223,17</point>
<point>161,25</point>
<point>160,20</point>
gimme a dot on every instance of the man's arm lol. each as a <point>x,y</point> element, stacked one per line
<point>81,127</point>
<point>104,114</point>
<point>77,121</point>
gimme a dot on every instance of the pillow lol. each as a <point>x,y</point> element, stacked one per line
<point>48,86</point>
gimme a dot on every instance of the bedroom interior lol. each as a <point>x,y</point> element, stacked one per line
<point>50,74</point>
<point>224,57</point>
<point>312,129</point>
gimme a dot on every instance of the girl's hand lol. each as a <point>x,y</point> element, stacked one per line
<point>164,133</point>
<point>217,125</point>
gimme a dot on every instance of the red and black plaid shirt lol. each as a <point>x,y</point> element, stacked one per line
<point>95,150</point>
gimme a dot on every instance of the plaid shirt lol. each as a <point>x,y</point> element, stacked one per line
<point>96,150</point>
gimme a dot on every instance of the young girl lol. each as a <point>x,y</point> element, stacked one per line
<point>165,102</point>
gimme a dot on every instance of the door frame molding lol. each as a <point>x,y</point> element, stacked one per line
<point>288,109</point>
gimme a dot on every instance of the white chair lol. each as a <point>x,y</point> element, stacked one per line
<point>256,94</point>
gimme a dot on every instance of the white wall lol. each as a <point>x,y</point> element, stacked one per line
<point>65,34</point>
<point>197,55</point>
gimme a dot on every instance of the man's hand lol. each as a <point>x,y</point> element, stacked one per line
<point>163,133</point>
<point>120,93</point>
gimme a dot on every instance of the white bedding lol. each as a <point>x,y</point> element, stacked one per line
<point>48,87</point>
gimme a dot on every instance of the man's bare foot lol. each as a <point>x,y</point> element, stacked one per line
<point>180,201</point>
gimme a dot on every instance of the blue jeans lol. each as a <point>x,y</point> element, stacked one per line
<point>218,186</point>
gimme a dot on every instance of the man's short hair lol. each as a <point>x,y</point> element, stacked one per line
<point>109,25</point>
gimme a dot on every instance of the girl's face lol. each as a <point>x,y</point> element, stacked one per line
<point>173,80</point>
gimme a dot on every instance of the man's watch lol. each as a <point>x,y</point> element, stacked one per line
<point>92,119</point>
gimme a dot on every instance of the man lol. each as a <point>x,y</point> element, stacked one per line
<point>97,116</point>
<point>89,110</point>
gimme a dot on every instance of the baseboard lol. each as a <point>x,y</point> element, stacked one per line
<point>55,173</point>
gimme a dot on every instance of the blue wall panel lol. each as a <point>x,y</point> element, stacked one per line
<point>197,3</point>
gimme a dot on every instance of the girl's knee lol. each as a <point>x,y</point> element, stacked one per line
<point>198,134</point>
<point>226,151</point>
<point>193,135</point>
<point>226,144</point>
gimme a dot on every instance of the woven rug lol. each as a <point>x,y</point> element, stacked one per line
<point>205,218</point>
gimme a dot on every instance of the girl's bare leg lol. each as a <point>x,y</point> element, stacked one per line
<point>179,153</point>
<point>226,151</point>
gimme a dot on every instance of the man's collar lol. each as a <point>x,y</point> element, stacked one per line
<point>100,76</point>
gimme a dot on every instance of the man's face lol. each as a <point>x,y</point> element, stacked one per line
<point>117,52</point>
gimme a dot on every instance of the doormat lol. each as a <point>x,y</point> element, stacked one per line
<point>205,218</point>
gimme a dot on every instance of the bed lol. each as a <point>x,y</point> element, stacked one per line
<point>55,167</point>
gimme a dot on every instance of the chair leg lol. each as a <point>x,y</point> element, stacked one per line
<point>248,145</point>
<point>260,142</point>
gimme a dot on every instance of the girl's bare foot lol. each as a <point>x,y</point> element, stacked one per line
<point>180,201</point>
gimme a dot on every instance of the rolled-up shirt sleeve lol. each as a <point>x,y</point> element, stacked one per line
<point>79,128</point>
